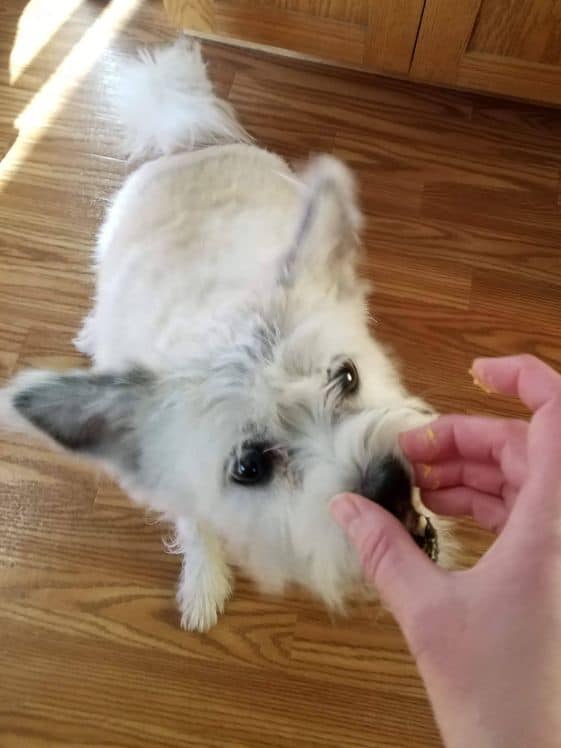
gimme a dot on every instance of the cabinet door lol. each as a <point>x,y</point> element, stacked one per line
<point>510,47</point>
<point>373,34</point>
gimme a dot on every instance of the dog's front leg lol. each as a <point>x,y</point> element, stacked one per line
<point>206,580</point>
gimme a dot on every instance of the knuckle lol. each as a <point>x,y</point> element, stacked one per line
<point>529,360</point>
<point>534,366</point>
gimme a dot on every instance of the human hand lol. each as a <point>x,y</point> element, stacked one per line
<point>487,640</point>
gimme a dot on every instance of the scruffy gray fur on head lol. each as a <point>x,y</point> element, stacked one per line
<point>260,393</point>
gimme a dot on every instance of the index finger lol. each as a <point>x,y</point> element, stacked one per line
<point>473,438</point>
<point>523,376</point>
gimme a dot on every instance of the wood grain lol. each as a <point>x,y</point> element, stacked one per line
<point>378,35</point>
<point>463,227</point>
<point>317,36</point>
<point>446,28</point>
<point>350,11</point>
<point>392,32</point>
<point>527,30</point>
<point>495,46</point>
<point>197,15</point>
<point>520,78</point>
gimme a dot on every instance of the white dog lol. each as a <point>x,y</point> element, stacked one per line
<point>235,386</point>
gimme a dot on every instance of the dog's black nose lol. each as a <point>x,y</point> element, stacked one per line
<point>388,484</point>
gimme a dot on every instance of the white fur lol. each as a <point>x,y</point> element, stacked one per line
<point>166,103</point>
<point>206,579</point>
<point>233,281</point>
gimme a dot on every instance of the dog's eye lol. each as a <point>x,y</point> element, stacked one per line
<point>347,377</point>
<point>253,466</point>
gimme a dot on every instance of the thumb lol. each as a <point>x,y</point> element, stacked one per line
<point>405,578</point>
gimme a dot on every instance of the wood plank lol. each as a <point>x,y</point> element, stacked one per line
<point>528,30</point>
<point>200,15</point>
<point>196,15</point>
<point>463,45</point>
<point>349,11</point>
<point>519,78</point>
<point>255,714</point>
<point>373,35</point>
<point>528,309</point>
<point>392,31</point>
<point>323,38</point>
<point>445,31</point>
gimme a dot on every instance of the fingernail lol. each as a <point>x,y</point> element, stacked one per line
<point>343,510</point>
<point>431,436</point>
<point>480,383</point>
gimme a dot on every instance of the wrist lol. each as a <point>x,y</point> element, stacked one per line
<point>495,713</point>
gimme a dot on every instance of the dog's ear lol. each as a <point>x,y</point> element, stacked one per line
<point>92,414</point>
<point>326,237</point>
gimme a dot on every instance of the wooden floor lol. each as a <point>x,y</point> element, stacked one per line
<point>463,236</point>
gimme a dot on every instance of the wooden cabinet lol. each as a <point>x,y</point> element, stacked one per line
<point>510,47</point>
<point>378,35</point>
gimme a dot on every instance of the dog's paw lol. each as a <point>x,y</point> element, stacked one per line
<point>201,600</point>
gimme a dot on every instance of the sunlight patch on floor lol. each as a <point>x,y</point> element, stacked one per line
<point>38,23</point>
<point>43,107</point>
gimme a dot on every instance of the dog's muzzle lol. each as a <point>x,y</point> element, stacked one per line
<point>388,483</point>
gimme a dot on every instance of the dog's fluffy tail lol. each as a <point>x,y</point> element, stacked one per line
<point>167,103</point>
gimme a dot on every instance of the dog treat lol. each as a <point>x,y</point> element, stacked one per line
<point>427,538</point>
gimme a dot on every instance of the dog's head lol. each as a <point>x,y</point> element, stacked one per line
<point>282,408</point>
